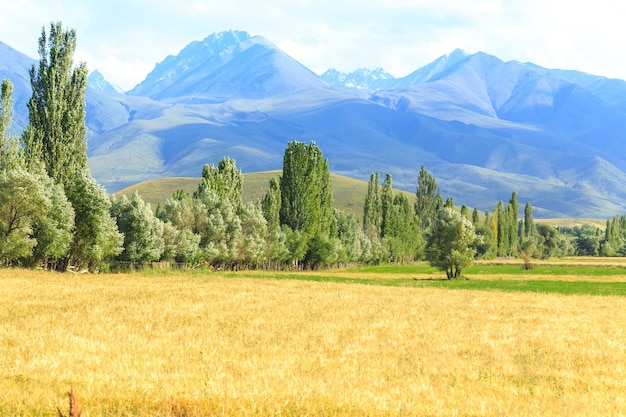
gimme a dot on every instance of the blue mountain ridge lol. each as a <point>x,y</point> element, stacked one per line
<point>483,127</point>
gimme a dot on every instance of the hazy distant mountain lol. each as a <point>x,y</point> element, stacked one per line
<point>379,79</point>
<point>362,78</point>
<point>97,81</point>
<point>483,127</point>
<point>15,66</point>
<point>224,66</point>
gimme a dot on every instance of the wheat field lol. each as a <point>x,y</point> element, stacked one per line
<point>183,345</point>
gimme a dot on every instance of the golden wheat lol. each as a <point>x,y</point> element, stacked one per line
<point>212,345</point>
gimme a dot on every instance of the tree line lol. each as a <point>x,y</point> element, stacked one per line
<point>54,215</point>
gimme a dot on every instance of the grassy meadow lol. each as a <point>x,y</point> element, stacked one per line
<point>258,344</point>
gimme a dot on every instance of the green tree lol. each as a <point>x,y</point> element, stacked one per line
<point>475,217</point>
<point>386,202</point>
<point>529,224</point>
<point>588,241</point>
<point>225,180</point>
<point>181,215</point>
<point>142,230</point>
<point>23,202</point>
<point>402,231</point>
<point>551,243</point>
<point>96,237</point>
<point>56,133</point>
<point>271,206</point>
<point>350,236</point>
<point>512,232</point>
<point>55,231</point>
<point>372,209</point>
<point>451,243</point>
<point>252,250</point>
<point>305,188</point>
<point>6,110</point>
<point>428,199</point>
<point>9,145</point>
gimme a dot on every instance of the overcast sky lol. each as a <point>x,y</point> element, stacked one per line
<point>124,39</point>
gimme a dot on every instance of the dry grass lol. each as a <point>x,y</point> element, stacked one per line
<point>192,346</point>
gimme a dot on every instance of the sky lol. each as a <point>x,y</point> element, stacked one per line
<point>125,39</point>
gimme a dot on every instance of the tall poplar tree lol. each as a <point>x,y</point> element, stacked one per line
<point>372,209</point>
<point>55,142</point>
<point>529,225</point>
<point>9,146</point>
<point>428,199</point>
<point>305,188</point>
<point>270,205</point>
<point>56,133</point>
<point>386,202</point>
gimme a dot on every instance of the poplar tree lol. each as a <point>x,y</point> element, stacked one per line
<point>512,225</point>
<point>9,152</point>
<point>270,205</point>
<point>428,199</point>
<point>386,202</point>
<point>475,217</point>
<point>529,225</point>
<point>54,143</point>
<point>56,133</point>
<point>305,188</point>
<point>372,209</point>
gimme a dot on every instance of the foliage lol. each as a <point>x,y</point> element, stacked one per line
<point>372,209</point>
<point>225,180</point>
<point>271,205</point>
<point>56,133</point>
<point>96,237</point>
<point>429,199</point>
<point>390,224</point>
<point>305,190</point>
<point>6,110</point>
<point>450,243</point>
<point>23,201</point>
<point>55,231</point>
<point>143,232</point>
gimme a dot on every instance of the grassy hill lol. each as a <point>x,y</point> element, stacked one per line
<point>349,193</point>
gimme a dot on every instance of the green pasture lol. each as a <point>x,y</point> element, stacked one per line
<point>544,277</point>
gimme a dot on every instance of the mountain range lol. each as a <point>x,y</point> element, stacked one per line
<point>482,126</point>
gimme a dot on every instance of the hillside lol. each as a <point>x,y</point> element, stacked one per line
<point>349,194</point>
<point>482,126</point>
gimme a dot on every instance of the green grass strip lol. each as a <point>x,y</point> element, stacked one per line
<point>539,286</point>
